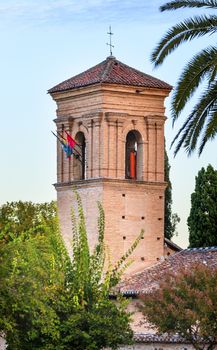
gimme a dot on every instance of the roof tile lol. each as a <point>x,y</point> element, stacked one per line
<point>149,278</point>
<point>159,338</point>
<point>111,71</point>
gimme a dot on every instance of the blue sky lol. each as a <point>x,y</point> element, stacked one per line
<point>44,42</point>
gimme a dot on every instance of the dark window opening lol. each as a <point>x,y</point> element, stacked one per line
<point>134,156</point>
<point>79,164</point>
<point>131,155</point>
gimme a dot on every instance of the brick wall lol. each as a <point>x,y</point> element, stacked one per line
<point>129,207</point>
<point>105,114</point>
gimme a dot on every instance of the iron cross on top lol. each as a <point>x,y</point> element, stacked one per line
<point>110,41</point>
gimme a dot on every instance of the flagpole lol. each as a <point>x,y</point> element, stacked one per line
<point>75,143</point>
<point>73,139</point>
<point>77,156</point>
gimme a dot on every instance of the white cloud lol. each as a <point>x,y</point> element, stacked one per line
<point>63,10</point>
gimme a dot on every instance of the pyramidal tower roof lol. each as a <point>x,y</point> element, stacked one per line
<point>111,71</point>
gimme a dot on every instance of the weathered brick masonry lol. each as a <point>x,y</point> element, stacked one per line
<point>112,104</point>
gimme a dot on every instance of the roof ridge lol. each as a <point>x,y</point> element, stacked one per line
<point>108,67</point>
<point>159,338</point>
<point>170,242</point>
<point>201,249</point>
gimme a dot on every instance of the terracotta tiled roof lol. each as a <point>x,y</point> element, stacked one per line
<point>111,71</point>
<point>164,338</point>
<point>158,338</point>
<point>172,245</point>
<point>148,279</point>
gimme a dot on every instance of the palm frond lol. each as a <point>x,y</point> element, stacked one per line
<point>177,4</point>
<point>213,74</point>
<point>203,116</point>
<point>203,65</point>
<point>182,131</point>
<point>211,130</point>
<point>184,31</point>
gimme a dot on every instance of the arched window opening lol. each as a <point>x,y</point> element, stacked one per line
<point>79,163</point>
<point>133,163</point>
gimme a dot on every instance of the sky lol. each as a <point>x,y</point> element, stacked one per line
<point>44,42</point>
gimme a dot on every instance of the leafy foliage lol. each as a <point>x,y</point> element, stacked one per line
<point>90,280</point>
<point>49,301</point>
<point>201,124</point>
<point>19,217</point>
<point>185,303</point>
<point>173,5</point>
<point>170,219</point>
<point>31,277</point>
<point>202,221</point>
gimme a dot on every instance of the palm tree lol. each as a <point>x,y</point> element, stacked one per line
<point>201,124</point>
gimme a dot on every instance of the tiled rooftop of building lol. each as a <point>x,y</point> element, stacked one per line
<point>111,71</point>
<point>158,338</point>
<point>149,278</point>
<point>172,245</point>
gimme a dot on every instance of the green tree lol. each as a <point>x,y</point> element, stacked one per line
<point>19,217</point>
<point>49,301</point>
<point>31,278</point>
<point>202,221</point>
<point>201,124</point>
<point>170,219</point>
<point>185,303</point>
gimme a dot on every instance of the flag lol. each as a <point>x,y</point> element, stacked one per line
<point>72,144</point>
<point>67,148</point>
<point>70,140</point>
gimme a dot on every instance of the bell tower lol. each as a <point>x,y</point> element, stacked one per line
<point>116,115</point>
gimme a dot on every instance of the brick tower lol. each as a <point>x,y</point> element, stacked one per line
<point>116,115</point>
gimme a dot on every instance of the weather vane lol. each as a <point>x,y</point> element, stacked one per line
<point>110,42</point>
